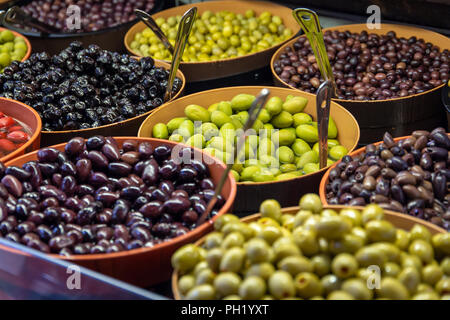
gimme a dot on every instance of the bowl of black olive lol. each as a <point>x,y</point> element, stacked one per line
<point>88,91</point>
<point>395,70</point>
<point>100,22</point>
<point>120,206</point>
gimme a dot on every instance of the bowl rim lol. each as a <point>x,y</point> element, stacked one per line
<point>160,246</point>
<point>325,178</point>
<point>33,137</point>
<point>293,210</point>
<point>201,4</point>
<point>17,34</point>
<point>248,183</point>
<point>158,63</point>
<point>364,27</point>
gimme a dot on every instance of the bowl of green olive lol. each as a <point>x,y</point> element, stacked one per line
<point>280,157</point>
<point>13,47</point>
<point>228,37</point>
<point>316,252</point>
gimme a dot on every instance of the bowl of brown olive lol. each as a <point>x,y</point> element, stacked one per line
<point>120,206</point>
<point>395,70</point>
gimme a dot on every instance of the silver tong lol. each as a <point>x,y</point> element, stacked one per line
<point>16,15</point>
<point>184,29</point>
<point>323,100</point>
<point>253,112</point>
<point>151,23</point>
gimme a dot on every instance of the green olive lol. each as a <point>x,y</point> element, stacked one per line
<point>233,239</point>
<point>340,295</point>
<point>332,228</point>
<point>213,240</point>
<point>338,152</point>
<point>274,105</point>
<point>445,266</point>
<point>426,296</point>
<point>441,241</point>
<point>223,220</point>
<point>214,257</point>
<point>344,265</point>
<point>295,264</point>
<point>306,240</point>
<point>353,214</point>
<point>410,278</point>
<point>307,157</point>
<point>307,133</point>
<point>443,286</point>
<point>300,147</point>
<point>282,120</point>
<point>357,288</point>
<point>372,212</point>
<point>227,283</point>
<point>419,232</point>
<point>205,276</point>
<point>252,288</point>
<point>391,269</point>
<point>392,288</point>
<point>257,250</point>
<point>301,217</point>
<point>295,105</point>
<point>431,274</point>
<point>330,283</point>
<point>263,270</point>
<point>219,118</point>
<point>197,113</point>
<point>270,209</point>
<point>281,285</point>
<point>232,260</point>
<point>242,102</point>
<point>160,131</point>
<point>201,292</point>
<point>185,258</point>
<point>421,249</point>
<point>308,285</point>
<point>310,202</point>
<point>321,264</point>
<point>402,239</point>
<point>349,243</point>
<point>174,124</point>
<point>186,283</point>
<point>368,256</point>
<point>285,250</point>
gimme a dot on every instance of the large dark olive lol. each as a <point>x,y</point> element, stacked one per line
<point>18,172</point>
<point>95,142</point>
<point>74,146</point>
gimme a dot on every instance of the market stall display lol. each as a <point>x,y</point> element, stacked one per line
<point>114,205</point>
<point>407,174</point>
<point>296,137</point>
<point>393,70</point>
<point>315,252</point>
<point>224,37</point>
<point>20,129</point>
<point>88,91</point>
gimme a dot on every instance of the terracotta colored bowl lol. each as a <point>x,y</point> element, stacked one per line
<point>147,266</point>
<point>28,116</point>
<point>28,53</point>
<point>127,127</point>
<point>423,110</point>
<point>200,71</point>
<point>325,178</point>
<point>397,219</point>
<point>250,195</point>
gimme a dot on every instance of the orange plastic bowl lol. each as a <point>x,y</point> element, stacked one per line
<point>147,266</point>
<point>16,34</point>
<point>28,116</point>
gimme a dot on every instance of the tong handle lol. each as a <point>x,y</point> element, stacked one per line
<point>323,101</point>
<point>16,15</point>
<point>184,29</point>
<point>309,21</point>
<point>151,23</point>
<point>253,112</point>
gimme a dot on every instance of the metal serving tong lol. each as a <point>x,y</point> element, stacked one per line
<point>16,15</point>
<point>184,29</point>
<point>253,112</point>
<point>309,21</point>
<point>323,99</point>
<point>151,23</point>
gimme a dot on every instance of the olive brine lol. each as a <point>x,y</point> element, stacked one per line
<point>82,88</point>
<point>97,197</point>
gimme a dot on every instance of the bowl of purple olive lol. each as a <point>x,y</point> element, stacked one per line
<point>408,174</point>
<point>86,91</point>
<point>101,22</point>
<point>396,70</point>
<point>120,206</point>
